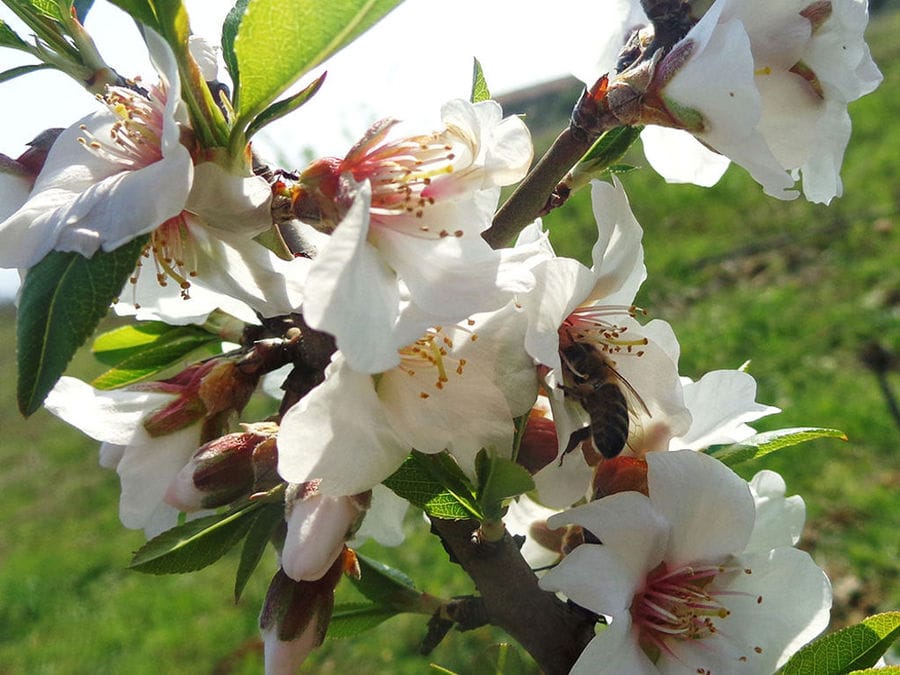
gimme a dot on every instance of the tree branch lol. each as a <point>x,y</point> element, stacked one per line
<point>553,632</point>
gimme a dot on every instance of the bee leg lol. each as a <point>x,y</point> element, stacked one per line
<point>578,436</point>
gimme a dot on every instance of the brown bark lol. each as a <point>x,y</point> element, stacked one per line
<point>553,632</point>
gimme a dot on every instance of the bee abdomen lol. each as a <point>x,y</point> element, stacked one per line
<point>609,420</point>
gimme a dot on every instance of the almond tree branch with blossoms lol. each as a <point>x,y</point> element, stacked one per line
<point>427,346</point>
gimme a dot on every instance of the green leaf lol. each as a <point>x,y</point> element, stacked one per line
<point>770,441</point>
<point>9,38</point>
<point>13,73</point>
<point>353,618</point>
<point>480,91</point>
<point>386,585</point>
<point>63,299</point>
<point>440,669</point>
<point>47,8</point>
<point>852,648</point>
<point>229,33</point>
<point>141,362</point>
<point>140,10</point>
<point>882,670</point>
<point>278,41</point>
<point>498,480</point>
<point>436,485</point>
<point>259,533</point>
<point>194,545</point>
<point>612,145</point>
<point>284,107</point>
<point>115,345</point>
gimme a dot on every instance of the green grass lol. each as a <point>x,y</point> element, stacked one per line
<point>798,289</point>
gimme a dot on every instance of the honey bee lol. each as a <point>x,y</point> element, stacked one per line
<point>606,397</point>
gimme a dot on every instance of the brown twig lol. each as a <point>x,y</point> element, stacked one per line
<point>553,632</point>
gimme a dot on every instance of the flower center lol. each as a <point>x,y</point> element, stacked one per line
<point>135,136</point>
<point>431,353</point>
<point>680,604</point>
<point>172,254</point>
<point>402,174</point>
<point>588,325</point>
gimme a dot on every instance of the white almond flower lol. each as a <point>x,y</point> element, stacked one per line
<point>683,588</point>
<point>578,315</point>
<point>457,388</point>
<point>721,403</point>
<point>146,463</point>
<point>125,172</point>
<point>764,84</point>
<point>406,217</point>
<point>149,431</point>
<point>808,61</point>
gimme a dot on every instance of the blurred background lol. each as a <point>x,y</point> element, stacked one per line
<point>811,295</point>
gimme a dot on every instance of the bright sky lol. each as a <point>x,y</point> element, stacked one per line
<point>419,56</point>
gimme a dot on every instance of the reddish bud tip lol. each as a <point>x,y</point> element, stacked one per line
<point>620,474</point>
<point>539,444</point>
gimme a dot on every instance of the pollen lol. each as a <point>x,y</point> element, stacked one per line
<point>679,604</point>
<point>171,251</point>
<point>431,356</point>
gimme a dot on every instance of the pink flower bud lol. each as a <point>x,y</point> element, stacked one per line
<point>620,474</point>
<point>203,391</point>
<point>225,469</point>
<point>318,526</point>
<point>295,616</point>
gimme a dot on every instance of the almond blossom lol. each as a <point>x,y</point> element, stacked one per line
<point>681,581</point>
<point>765,85</point>
<point>457,388</point>
<point>573,307</point>
<point>808,61</point>
<point>134,169</point>
<point>150,431</point>
<point>405,216</point>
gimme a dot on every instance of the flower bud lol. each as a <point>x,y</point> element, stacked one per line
<point>225,469</point>
<point>318,526</point>
<point>203,391</point>
<point>539,444</point>
<point>295,616</point>
<point>620,474</point>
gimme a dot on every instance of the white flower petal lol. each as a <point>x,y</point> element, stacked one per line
<point>721,402</point>
<point>559,485</point>
<point>618,256</point>
<point>627,523</point>
<point>353,295</point>
<point>520,517</point>
<point>384,519</point>
<point>795,605</point>
<point>560,285</point>
<point>596,578</point>
<point>338,433</point>
<point>779,519</point>
<point>467,413</point>
<point>146,471</point>
<point>112,416</point>
<point>227,201</point>
<point>14,189</point>
<point>680,158</point>
<point>614,651</point>
<point>709,506</point>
